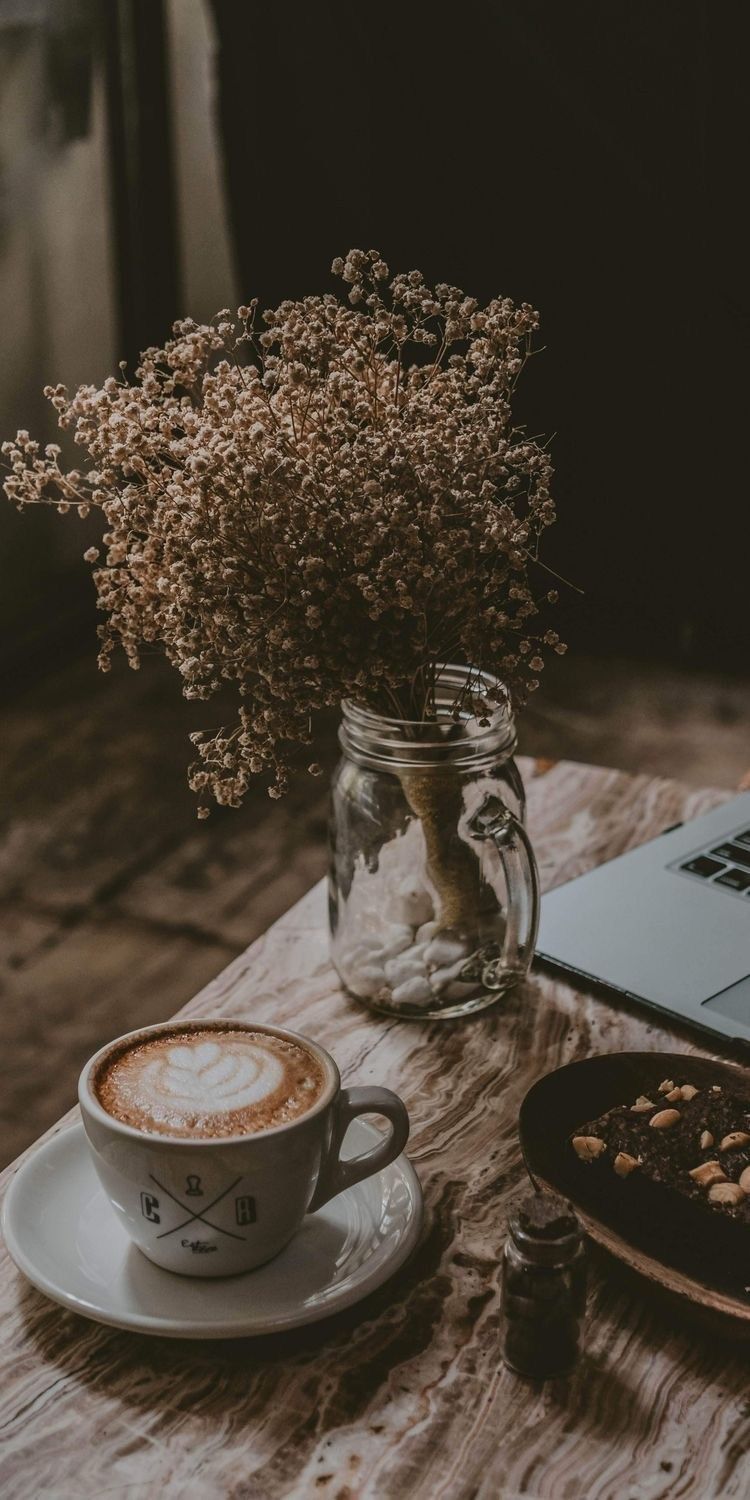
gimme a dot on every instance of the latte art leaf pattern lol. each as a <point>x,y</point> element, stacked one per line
<point>212,1078</point>
<point>209,1082</point>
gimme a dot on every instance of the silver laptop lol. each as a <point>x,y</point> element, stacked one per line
<point>667,923</point>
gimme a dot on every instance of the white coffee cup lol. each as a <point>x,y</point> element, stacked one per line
<point>219,1206</point>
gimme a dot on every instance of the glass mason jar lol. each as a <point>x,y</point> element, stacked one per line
<point>433,889</point>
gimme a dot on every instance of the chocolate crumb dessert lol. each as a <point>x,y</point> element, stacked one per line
<point>694,1140</point>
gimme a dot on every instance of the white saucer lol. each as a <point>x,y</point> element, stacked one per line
<point>64,1236</point>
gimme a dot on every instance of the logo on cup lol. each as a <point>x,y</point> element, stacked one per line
<point>244,1209</point>
<point>149,1205</point>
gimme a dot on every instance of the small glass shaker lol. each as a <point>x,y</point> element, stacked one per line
<point>543,1287</point>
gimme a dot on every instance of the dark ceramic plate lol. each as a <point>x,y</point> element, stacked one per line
<point>694,1252</point>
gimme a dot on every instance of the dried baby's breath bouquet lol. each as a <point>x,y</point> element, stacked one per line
<point>327,502</point>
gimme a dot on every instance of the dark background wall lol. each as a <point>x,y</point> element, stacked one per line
<point>585,155</point>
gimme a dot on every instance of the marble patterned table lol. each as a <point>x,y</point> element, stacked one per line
<point>405,1396</point>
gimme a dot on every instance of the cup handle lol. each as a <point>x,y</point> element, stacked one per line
<point>337,1175</point>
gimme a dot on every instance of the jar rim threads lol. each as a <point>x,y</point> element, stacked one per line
<point>456,736</point>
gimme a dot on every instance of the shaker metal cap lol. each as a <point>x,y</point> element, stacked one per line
<point>545,1227</point>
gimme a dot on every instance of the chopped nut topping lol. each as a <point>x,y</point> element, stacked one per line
<point>624,1164</point>
<point>665,1119</point>
<point>726,1192</point>
<point>734,1140</point>
<point>708,1172</point>
<point>714,1131</point>
<point>588,1147</point>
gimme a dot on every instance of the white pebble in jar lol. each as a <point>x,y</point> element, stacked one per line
<point>411,902</point>
<point>413,992</point>
<point>456,991</point>
<point>394,940</point>
<point>405,966</point>
<point>362,952</point>
<point>367,979</point>
<point>444,950</point>
<point>439,978</point>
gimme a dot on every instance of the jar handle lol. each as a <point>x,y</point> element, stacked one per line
<point>495,821</point>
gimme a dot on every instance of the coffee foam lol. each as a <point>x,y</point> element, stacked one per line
<point>209,1082</point>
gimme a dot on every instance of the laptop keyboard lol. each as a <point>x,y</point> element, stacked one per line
<point>725,864</point>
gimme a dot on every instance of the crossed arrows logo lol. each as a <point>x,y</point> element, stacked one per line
<point>197,1215</point>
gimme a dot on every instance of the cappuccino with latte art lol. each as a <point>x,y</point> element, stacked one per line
<point>213,1139</point>
<point>208,1082</point>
